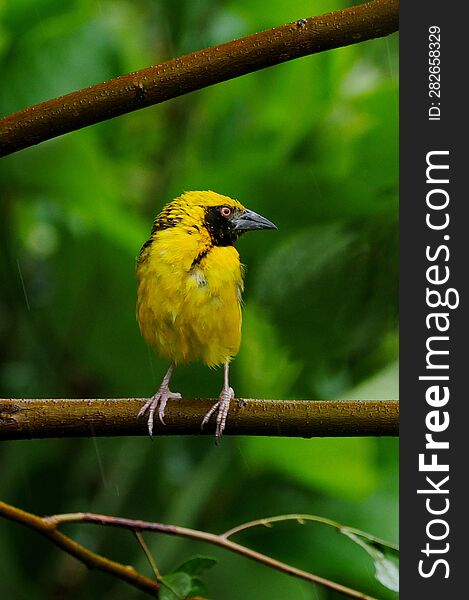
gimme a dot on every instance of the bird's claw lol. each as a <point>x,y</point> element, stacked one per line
<point>157,401</point>
<point>221,407</point>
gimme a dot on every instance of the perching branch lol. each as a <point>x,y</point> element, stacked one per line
<point>195,71</point>
<point>48,527</point>
<point>42,418</point>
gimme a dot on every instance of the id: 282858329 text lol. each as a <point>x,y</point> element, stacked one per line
<point>434,72</point>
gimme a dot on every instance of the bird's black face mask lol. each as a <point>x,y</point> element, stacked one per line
<point>225,223</point>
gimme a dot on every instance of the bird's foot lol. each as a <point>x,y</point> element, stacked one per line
<point>221,407</point>
<point>158,401</point>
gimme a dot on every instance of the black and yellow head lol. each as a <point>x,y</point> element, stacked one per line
<point>223,218</point>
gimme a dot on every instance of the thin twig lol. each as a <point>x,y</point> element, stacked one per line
<point>266,522</point>
<point>195,71</point>
<point>301,518</point>
<point>46,418</point>
<point>48,527</point>
<point>148,554</point>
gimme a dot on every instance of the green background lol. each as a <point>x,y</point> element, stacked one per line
<point>312,145</point>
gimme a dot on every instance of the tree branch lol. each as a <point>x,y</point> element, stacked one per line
<point>195,71</point>
<point>48,526</point>
<point>87,557</point>
<point>301,519</point>
<point>43,418</point>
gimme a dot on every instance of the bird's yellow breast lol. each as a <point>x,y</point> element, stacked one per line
<point>189,297</point>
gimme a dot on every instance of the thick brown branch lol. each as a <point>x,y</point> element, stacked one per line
<point>42,418</point>
<point>195,71</point>
<point>48,527</point>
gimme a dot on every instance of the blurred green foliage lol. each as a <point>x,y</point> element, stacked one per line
<point>312,145</point>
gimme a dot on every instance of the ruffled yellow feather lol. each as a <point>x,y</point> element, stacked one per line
<point>189,290</point>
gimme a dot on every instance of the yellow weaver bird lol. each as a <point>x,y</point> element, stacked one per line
<point>189,285</point>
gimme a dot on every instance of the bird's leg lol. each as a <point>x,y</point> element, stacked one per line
<point>222,406</point>
<point>159,401</point>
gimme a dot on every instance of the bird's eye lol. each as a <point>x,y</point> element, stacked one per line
<point>225,211</point>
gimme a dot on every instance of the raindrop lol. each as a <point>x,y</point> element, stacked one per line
<point>22,283</point>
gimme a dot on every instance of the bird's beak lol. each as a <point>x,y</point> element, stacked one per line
<point>249,219</point>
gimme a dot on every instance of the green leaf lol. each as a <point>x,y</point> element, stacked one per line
<point>198,588</point>
<point>385,557</point>
<point>196,565</point>
<point>184,581</point>
<point>175,586</point>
